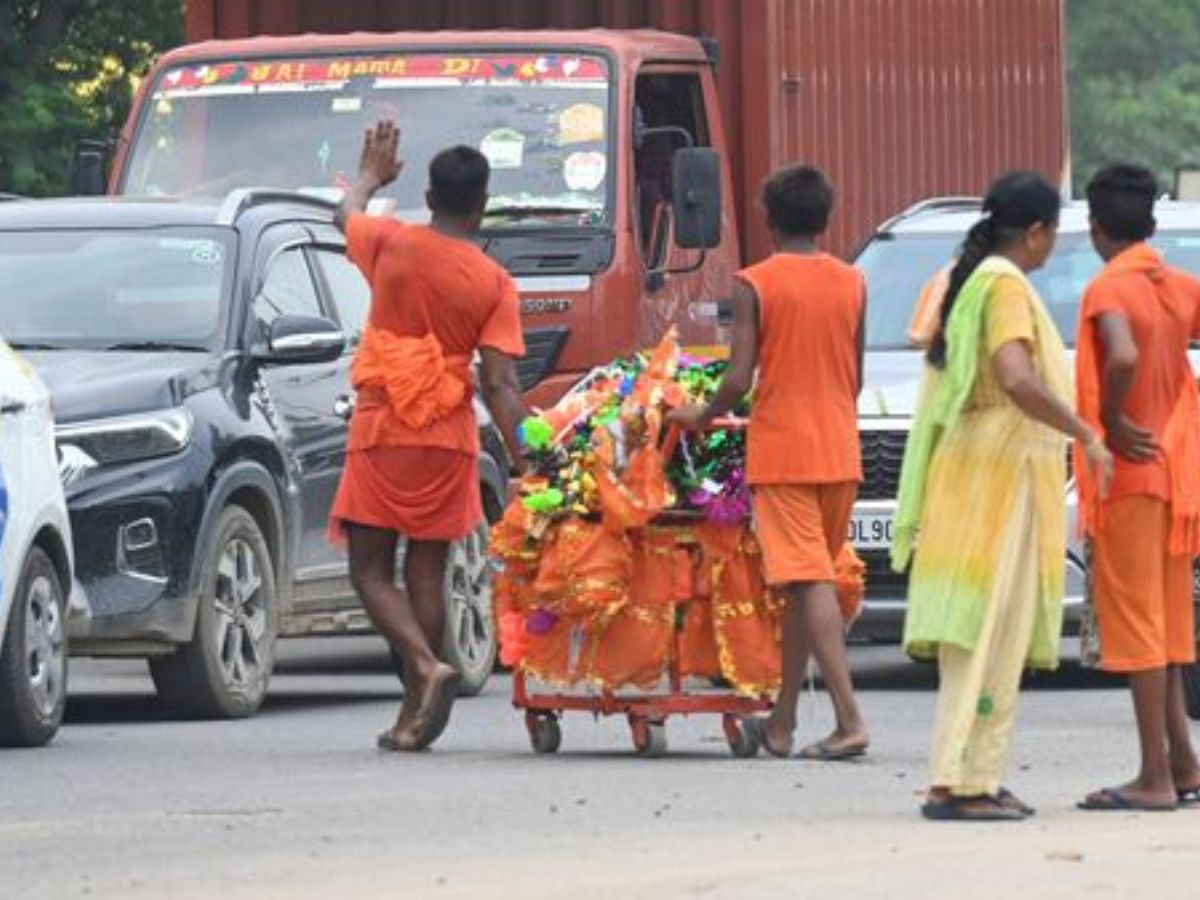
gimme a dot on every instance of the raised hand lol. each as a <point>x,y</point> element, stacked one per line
<point>379,164</point>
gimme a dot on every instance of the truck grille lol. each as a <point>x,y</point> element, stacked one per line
<point>882,456</point>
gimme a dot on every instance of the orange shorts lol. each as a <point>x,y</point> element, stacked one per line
<point>1143,595</point>
<point>802,529</point>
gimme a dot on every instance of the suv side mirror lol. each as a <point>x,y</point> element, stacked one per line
<point>696,198</point>
<point>87,169</point>
<point>301,339</point>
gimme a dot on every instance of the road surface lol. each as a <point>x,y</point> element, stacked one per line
<point>296,803</point>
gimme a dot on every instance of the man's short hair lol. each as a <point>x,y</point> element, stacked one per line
<point>458,181</point>
<point>798,200</point>
<point>1121,201</point>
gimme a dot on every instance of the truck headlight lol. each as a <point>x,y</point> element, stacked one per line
<point>87,445</point>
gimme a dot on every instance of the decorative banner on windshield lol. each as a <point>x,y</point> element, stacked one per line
<point>402,69</point>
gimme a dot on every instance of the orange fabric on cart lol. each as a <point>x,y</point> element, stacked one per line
<point>633,648</point>
<point>547,656</point>
<point>745,615</point>
<point>584,570</point>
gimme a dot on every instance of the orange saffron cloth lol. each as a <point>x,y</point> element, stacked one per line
<point>412,461</point>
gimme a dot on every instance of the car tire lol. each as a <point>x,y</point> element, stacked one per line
<point>224,671</point>
<point>33,658</point>
<point>470,641</point>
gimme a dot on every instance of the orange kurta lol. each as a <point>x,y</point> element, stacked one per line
<point>435,300</point>
<point>1145,533</point>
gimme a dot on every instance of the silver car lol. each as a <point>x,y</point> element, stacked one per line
<point>899,261</point>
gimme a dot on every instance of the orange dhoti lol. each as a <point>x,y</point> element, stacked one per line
<point>424,493</point>
<point>1143,593</point>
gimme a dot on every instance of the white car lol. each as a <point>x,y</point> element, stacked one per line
<point>35,562</point>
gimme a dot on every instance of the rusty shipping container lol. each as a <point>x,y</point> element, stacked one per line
<point>895,99</point>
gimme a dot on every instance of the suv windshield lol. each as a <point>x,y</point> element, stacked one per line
<point>898,265</point>
<point>297,124</point>
<point>151,288</point>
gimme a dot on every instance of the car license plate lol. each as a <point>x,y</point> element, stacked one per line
<point>871,531</point>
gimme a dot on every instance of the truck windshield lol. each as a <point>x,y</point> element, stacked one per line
<point>110,288</point>
<point>897,267</point>
<point>297,124</point>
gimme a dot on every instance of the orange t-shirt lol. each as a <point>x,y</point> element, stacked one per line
<point>804,426</point>
<point>471,302</point>
<point>1162,306</point>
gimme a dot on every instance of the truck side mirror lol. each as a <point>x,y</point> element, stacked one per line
<point>696,198</point>
<point>87,170</point>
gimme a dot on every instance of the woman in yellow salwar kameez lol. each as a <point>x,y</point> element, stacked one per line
<point>981,512</point>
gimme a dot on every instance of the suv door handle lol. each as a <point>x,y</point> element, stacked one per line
<point>343,407</point>
<point>12,408</point>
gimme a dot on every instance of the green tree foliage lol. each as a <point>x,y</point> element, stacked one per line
<point>1135,84</point>
<point>67,72</point>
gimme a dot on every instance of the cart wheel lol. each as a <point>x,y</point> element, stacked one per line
<point>545,735</point>
<point>741,743</point>
<point>649,738</point>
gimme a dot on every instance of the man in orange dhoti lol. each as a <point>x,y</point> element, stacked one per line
<point>412,464</point>
<point>1134,380</point>
<point>798,318</point>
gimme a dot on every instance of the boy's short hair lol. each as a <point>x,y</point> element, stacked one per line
<point>1121,201</point>
<point>458,181</point>
<point>798,200</point>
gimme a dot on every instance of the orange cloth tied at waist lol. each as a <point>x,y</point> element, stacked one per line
<point>413,376</point>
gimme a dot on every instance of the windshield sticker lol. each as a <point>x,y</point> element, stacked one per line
<point>585,171</point>
<point>206,253</point>
<point>582,123</point>
<point>346,104</point>
<point>504,148</point>
<point>397,70</point>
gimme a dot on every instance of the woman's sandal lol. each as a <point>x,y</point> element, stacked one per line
<point>970,809</point>
<point>1008,799</point>
<point>823,752</point>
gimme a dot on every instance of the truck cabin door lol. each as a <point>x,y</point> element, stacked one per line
<point>680,287</point>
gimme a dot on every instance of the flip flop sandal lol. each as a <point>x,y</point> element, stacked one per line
<point>440,705</point>
<point>1189,798</point>
<point>1007,798</point>
<point>1112,800</point>
<point>822,752</point>
<point>963,809</point>
<point>755,728</point>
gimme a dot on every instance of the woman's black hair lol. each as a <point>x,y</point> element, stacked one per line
<point>1013,204</point>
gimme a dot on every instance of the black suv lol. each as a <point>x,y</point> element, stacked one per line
<point>198,356</point>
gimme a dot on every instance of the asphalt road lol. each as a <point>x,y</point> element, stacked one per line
<point>296,803</point>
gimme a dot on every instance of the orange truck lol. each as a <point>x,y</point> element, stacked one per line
<point>625,160</point>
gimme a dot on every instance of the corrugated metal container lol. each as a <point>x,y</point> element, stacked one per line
<point>895,99</point>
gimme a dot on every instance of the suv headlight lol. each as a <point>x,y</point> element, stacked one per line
<point>88,445</point>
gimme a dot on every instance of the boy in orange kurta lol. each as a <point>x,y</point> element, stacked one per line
<point>1134,380</point>
<point>798,318</point>
<point>412,466</point>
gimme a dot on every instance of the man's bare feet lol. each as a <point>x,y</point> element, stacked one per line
<point>437,694</point>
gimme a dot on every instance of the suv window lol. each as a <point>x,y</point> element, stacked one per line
<point>349,290</point>
<point>288,289</point>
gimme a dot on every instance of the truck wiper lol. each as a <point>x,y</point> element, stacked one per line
<point>34,345</point>
<point>155,346</point>
<point>516,213</point>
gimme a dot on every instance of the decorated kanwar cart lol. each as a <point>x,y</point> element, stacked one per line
<point>628,580</point>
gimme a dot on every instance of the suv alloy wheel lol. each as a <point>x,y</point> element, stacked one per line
<point>223,672</point>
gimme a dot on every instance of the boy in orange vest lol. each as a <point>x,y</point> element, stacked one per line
<point>798,319</point>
